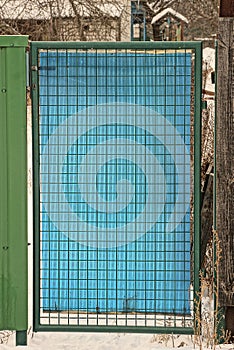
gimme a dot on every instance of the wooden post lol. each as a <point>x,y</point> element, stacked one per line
<point>226,8</point>
<point>225,161</point>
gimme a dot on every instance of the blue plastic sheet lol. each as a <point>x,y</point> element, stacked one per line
<point>115,181</point>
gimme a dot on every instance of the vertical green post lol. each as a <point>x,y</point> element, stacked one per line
<point>13,186</point>
<point>197,181</point>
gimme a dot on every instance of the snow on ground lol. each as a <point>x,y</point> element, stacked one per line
<point>107,341</point>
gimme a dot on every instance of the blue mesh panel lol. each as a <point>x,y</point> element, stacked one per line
<point>115,181</point>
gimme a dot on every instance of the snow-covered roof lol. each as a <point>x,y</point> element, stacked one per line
<point>168,11</point>
<point>44,10</point>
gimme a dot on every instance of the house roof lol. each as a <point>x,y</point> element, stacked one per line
<point>168,11</point>
<point>44,10</point>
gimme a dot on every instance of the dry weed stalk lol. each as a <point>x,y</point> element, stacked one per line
<point>208,321</point>
<point>4,336</point>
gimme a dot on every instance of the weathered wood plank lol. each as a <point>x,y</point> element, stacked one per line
<point>225,159</point>
<point>206,215</point>
<point>227,8</point>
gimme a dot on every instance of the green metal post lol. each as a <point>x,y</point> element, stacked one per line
<point>13,186</point>
<point>197,178</point>
<point>36,186</point>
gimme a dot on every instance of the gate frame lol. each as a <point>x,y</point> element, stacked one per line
<point>197,48</point>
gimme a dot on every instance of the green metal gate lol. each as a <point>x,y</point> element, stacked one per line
<point>116,185</point>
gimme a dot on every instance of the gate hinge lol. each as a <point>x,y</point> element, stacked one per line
<point>34,68</point>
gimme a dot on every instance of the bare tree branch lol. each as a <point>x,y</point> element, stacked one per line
<point>96,19</point>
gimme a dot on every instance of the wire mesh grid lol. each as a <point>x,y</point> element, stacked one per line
<point>115,186</point>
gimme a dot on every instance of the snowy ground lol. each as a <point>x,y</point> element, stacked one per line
<point>107,341</point>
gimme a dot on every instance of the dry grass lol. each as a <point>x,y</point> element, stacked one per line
<point>208,322</point>
<point>4,336</point>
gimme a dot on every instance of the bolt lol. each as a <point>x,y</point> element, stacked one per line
<point>3,90</point>
<point>5,248</point>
